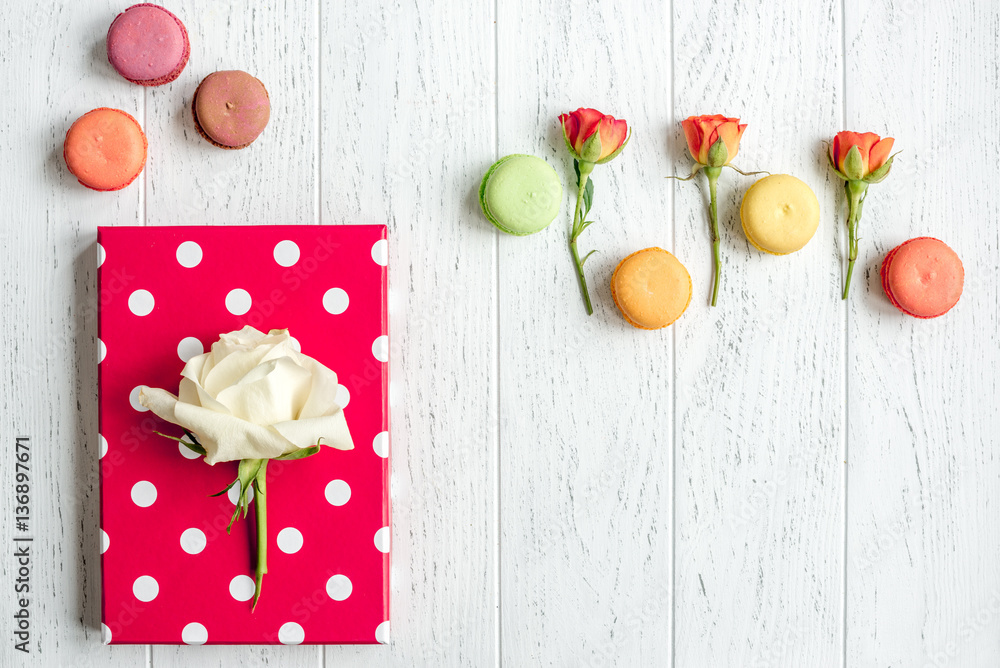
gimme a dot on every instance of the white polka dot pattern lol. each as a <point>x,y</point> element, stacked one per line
<point>145,588</point>
<point>339,587</point>
<point>286,253</point>
<point>189,254</point>
<point>177,288</point>
<point>238,301</point>
<point>242,587</point>
<point>194,634</point>
<point>141,302</point>
<point>144,494</point>
<point>291,633</point>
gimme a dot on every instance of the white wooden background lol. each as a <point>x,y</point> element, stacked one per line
<point>784,480</point>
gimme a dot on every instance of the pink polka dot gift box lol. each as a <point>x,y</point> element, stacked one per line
<point>281,414</point>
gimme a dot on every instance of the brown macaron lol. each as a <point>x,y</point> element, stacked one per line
<point>231,108</point>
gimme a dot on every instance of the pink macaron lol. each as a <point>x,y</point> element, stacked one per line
<point>148,45</point>
<point>923,277</point>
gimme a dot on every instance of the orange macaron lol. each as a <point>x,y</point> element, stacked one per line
<point>105,149</point>
<point>651,288</point>
<point>923,277</point>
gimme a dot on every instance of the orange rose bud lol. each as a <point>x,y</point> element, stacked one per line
<point>704,132</point>
<point>592,136</point>
<point>592,139</point>
<point>861,156</point>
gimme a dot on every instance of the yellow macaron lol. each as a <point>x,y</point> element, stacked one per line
<point>780,214</point>
<point>651,288</point>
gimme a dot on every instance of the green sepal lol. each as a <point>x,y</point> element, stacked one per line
<point>246,474</point>
<point>619,150</point>
<point>228,487</point>
<point>833,166</point>
<point>878,176</point>
<point>591,149</point>
<point>718,154</point>
<point>854,166</point>
<point>300,454</point>
<point>697,167</point>
<point>195,446</point>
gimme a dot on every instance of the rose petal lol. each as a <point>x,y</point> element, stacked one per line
<point>331,428</point>
<point>324,388</point>
<point>271,392</point>
<point>231,369</point>
<point>590,120</point>
<point>879,153</point>
<point>197,366</point>
<point>730,134</point>
<point>613,134</point>
<point>227,438</point>
<point>692,136</point>
<point>160,402</point>
<point>707,127</point>
<point>845,140</point>
<point>571,127</point>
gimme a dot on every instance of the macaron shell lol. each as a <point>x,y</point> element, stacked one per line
<point>651,288</point>
<point>148,45</point>
<point>231,108</point>
<point>780,214</point>
<point>105,149</point>
<point>923,277</point>
<point>520,194</point>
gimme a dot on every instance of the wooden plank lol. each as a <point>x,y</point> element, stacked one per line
<point>759,378</point>
<point>272,181</point>
<point>56,70</point>
<point>586,402</point>
<point>923,582</point>
<point>407,122</point>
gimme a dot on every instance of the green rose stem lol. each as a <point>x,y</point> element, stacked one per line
<point>713,181</point>
<point>856,191</point>
<point>260,501</point>
<point>578,227</point>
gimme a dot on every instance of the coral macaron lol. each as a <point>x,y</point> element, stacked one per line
<point>105,149</point>
<point>651,288</point>
<point>923,277</point>
<point>231,108</point>
<point>148,45</point>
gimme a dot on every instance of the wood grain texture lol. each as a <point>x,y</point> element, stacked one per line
<point>923,584</point>
<point>759,377</point>
<point>407,122</point>
<point>50,371</point>
<point>585,402</point>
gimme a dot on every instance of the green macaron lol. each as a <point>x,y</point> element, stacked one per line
<point>520,194</point>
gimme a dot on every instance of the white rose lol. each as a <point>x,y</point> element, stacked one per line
<point>252,397</point>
